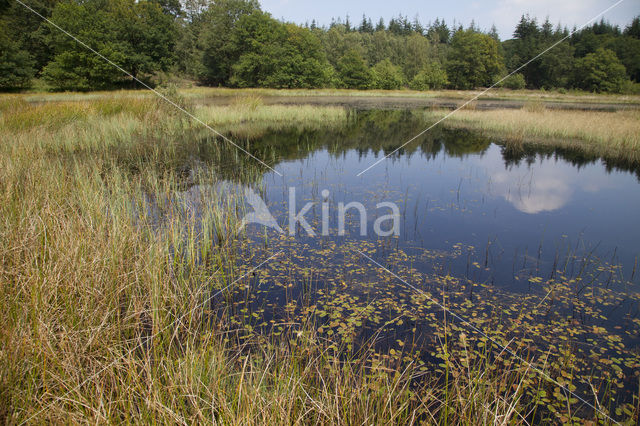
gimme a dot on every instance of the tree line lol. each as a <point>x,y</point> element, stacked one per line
<point>234,43</point>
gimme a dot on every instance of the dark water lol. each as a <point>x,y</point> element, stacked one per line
<point>522,212</point>
<point>527,212</point>
<point>537,248</point>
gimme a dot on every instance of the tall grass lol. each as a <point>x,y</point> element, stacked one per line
<point>207,93</point>
<point>500,94</point>
<point>248,116</point>
<point>613,135</point>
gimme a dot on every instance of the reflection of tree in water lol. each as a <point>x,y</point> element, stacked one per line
<point>371,132</point>
<point>366,132</point>
<point>515,155</point>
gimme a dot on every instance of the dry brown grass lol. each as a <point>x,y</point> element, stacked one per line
<point>607,134</point>
<point>212,92</point>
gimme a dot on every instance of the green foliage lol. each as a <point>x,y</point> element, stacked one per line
<point>631,88</point>
<point>257,38</point>
<point>27,29</point>
<point>84,70</point>
<point>411,52</point>
<point>137,36</point>
<point>473,60</point>
<point>366,26</point>
<point>600,71</point>
<point>387,76</point>
<point>633,30</point>
<point>22,50</point>
<point>16,65</point>
<point>514,82</point>
<point>216,28</point>
<point>626,45</point>
<point>550,70</point>
<point>337,41</point>
<point>169,7</point>
<point>277,55</point>
<point>416,52</point>
<point>432,76</point>
<point>353,71</point>
<point>383,45</point>
<point>402,26</point>
<point>555,66</point>
<point>439,32</point>
<point>627,49</point>
<point>233,43</point>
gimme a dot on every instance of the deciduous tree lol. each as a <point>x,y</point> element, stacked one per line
<point>387,76</point>
<point>473,60</point>
<point>432,76</point>
<point>353,71</point>
<point>277,55</point>
<point>137,36</point>
<point>600,71</point>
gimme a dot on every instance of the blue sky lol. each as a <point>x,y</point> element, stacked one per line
<point>503,13</point>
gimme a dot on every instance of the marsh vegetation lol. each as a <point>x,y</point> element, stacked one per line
<point>128,294</point>
<point>133,290</point>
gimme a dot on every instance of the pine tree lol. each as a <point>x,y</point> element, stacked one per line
<point>365,25</point>
<point>494,33</point>
<point>633,29</point>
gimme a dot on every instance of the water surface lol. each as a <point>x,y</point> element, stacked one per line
<point>535,248</point>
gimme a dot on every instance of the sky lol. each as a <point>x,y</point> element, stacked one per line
<point>505,14</point>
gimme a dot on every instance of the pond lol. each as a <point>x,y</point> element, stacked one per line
<point>529,248</point>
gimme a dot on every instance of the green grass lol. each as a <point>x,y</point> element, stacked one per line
<point>103,315</point>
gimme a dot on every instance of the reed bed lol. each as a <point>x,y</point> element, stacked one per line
<point>499,94</point>
<point>203,93</point>
<point>613,135</point>
<point>247,116</point>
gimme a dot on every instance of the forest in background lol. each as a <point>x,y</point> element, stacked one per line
<point>233,43</point>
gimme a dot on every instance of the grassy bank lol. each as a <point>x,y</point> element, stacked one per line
<point>247,116</point>
<point>247,112</point>
<point>493,94</point>
<point>106,283</point>
<point>204,93</point>
<point>614,135</point>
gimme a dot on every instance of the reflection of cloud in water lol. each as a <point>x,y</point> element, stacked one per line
<point>544,194</point>
<point>544,186</point>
